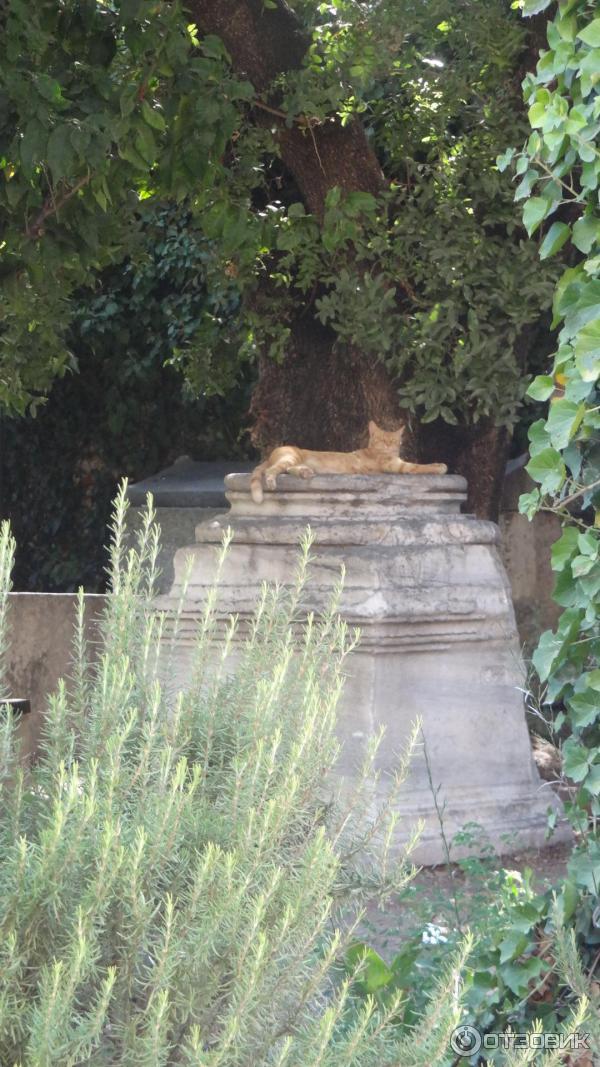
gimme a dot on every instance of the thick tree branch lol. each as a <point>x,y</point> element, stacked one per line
<point>52,206</point>
<point>264,42</point>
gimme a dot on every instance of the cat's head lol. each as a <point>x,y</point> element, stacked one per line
<point>388,440</point>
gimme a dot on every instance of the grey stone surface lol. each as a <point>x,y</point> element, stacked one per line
<point>177,528</point>
<point>187,483</point>
<point>526,548</point>
<point>185,494</point>
<point>188,493</point>
<point>427,587</point>
<point>41,629</point>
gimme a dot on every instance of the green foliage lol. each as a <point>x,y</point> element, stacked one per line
<point>127,410</point>
<point>564,163</point>
<point>561,163</point>
<point>433,276</point>
<point>178,878</point>
<point>168,305</point>
<point>101,105</point>
<point>517,974</point>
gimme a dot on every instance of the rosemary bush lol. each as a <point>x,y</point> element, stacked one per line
<point>177,883</point>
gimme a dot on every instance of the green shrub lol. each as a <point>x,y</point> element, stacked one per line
<point>524,973</point>
<point>175,874</point>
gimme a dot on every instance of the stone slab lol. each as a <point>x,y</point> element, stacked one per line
<point>187,483</point>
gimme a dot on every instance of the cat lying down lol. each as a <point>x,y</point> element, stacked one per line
<point>379,457</point>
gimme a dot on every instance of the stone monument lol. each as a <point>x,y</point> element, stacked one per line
<point>426,585</point>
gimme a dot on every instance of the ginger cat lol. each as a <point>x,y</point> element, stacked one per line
<point>379,457</point>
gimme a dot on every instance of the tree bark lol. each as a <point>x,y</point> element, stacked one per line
<point>324,393</point>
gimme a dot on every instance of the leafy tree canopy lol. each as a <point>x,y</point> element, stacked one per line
<point>106,106</point>
<point>102,107</point>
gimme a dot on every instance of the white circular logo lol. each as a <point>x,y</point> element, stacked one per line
<point>465,1040</point>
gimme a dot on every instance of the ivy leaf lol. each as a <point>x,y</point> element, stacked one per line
<point>587,351</point>
<point>576,759</point>
<point>584,708</point>
<point>556,237</point>
<point>538,437</point>
<point>529,503</point>
<point>592,678</point>
<point>585,233</point>
<point>588,543</point>
<point>564,420</point>
<point>584,866</point>
<point>590,64</point>
<point>503,161</point>
<point>580,305</point>
<point>550,645</point>
<point>519,975</point>
<point>567,27</point>
<point>374,972</point>
<point>537,113</point>
<point>590,34</point>
<point>533,7</point>
<point>592,782</point>
<point>524,187</point>
<point>568,277</point>
<point>513,945</point>
<point>535,211</point>
<point>333,196</point>
<point>564,548</point>
<point>548,469</point>
<point>582,565</point>
<point>541,387</point>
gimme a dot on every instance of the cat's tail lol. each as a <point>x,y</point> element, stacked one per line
<point>256,483</point>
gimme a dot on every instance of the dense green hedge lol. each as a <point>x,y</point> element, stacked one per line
<point>126,411</point>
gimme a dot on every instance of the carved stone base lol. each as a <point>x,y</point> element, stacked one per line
<point>427,588</point>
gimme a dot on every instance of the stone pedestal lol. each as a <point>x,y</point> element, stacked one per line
<point>428,590</point>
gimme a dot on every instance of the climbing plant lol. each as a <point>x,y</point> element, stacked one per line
<point>559,169</point>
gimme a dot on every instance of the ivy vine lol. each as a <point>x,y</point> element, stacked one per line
<point>559,168</point>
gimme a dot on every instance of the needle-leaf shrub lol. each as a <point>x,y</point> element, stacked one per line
<point>175,867</point>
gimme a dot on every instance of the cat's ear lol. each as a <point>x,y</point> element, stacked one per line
<point>373,428</point>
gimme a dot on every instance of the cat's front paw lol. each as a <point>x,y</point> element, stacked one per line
<point>302,471</point>
<point>440,468</point>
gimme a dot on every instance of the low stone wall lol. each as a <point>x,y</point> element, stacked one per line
<point>525,548</point>
<point>41,630</point>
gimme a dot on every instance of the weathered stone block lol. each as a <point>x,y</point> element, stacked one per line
<point>427,587</point>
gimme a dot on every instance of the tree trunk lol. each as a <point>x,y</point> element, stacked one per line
<point>324,393</point>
